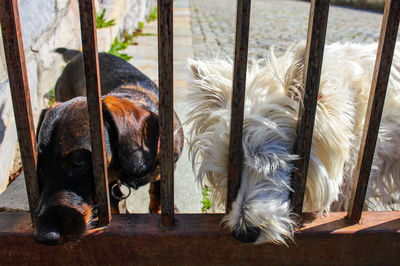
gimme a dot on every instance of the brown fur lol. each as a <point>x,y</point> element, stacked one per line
<point>131,137</point>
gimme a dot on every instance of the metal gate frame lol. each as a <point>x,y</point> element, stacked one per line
<point>355,237</point>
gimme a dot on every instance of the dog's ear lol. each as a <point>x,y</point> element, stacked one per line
<point>293,80</point>
<point>210,70</point>
<point>41,118</point>
<point>136,132</point>
<point>300,53</point>
<point>47,120</point>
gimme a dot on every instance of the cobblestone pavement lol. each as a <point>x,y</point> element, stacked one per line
<point>277,23</point>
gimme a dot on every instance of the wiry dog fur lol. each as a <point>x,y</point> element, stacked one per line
<point>261,211</point>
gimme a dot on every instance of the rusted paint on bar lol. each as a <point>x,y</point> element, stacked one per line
<point>165,77</point>
<point>14,52</point>
<point>379,84</point>
<point>199,240</point>
<point>319,11</point>
<point>238,95</point>
<point>93,92</point>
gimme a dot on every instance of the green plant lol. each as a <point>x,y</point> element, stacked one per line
<point>51,96</point>
<point>206,201</point>
<point>153,14</point>
<point>128,37</point>
<point>147,34</point>
<point>117,46</point>
<point>101,22</point>
<point>139,31</point>
<point>140,25</point>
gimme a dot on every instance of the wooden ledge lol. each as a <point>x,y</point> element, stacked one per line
<point>199,239</point>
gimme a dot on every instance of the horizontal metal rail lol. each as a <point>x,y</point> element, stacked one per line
<point>199,240</point>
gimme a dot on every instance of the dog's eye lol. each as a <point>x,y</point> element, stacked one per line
<point>79,159</point>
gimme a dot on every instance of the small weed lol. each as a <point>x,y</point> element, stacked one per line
<point>140,25</point>
<point>117,46</point>
<point>206,199</point>
<point>101,22</point>
<point>356,35</point>
<point>51,96</point>
<point>147,34</point>
<point>153,15</point>
<point>128,37</point>
<point>139,31</point>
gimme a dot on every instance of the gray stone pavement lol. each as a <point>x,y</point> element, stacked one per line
<point>206,27</point>
<point>277,23</point>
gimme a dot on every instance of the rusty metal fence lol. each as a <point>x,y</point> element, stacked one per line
<point>14,51</point>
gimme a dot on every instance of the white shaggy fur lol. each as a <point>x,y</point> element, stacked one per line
<point>273,94</point>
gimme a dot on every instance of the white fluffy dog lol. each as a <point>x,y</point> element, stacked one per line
<point>261,211</point>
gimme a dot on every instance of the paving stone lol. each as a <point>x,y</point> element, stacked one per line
<point>277,23</point>
<point>15,198</point>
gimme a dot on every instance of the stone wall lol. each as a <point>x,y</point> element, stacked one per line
<point>47,25</point>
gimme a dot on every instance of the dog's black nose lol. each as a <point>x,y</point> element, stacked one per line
<point>48,238</point>
<point>247,236</point>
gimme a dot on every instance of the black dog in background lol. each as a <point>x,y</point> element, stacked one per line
<point>131,132</point>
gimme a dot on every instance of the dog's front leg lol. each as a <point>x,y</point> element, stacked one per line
<point>155,198</point>
<point>155,202</point>
<point>122,209</point>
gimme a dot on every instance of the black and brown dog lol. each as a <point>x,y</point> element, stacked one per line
<point>131,132</point>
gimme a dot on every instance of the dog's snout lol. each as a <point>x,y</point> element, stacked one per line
<point>249,235</point>
<point>64,216</point>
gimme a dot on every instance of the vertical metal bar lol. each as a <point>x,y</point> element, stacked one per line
<point>93,92</point>
<point>387,42</point>
<point>14,51</point>
<point>165,77</point>
<point>238,96</point>
<point>319,11</point>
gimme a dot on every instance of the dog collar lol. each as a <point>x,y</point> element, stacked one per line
<point>151,175</point>
<point>117,194</point>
